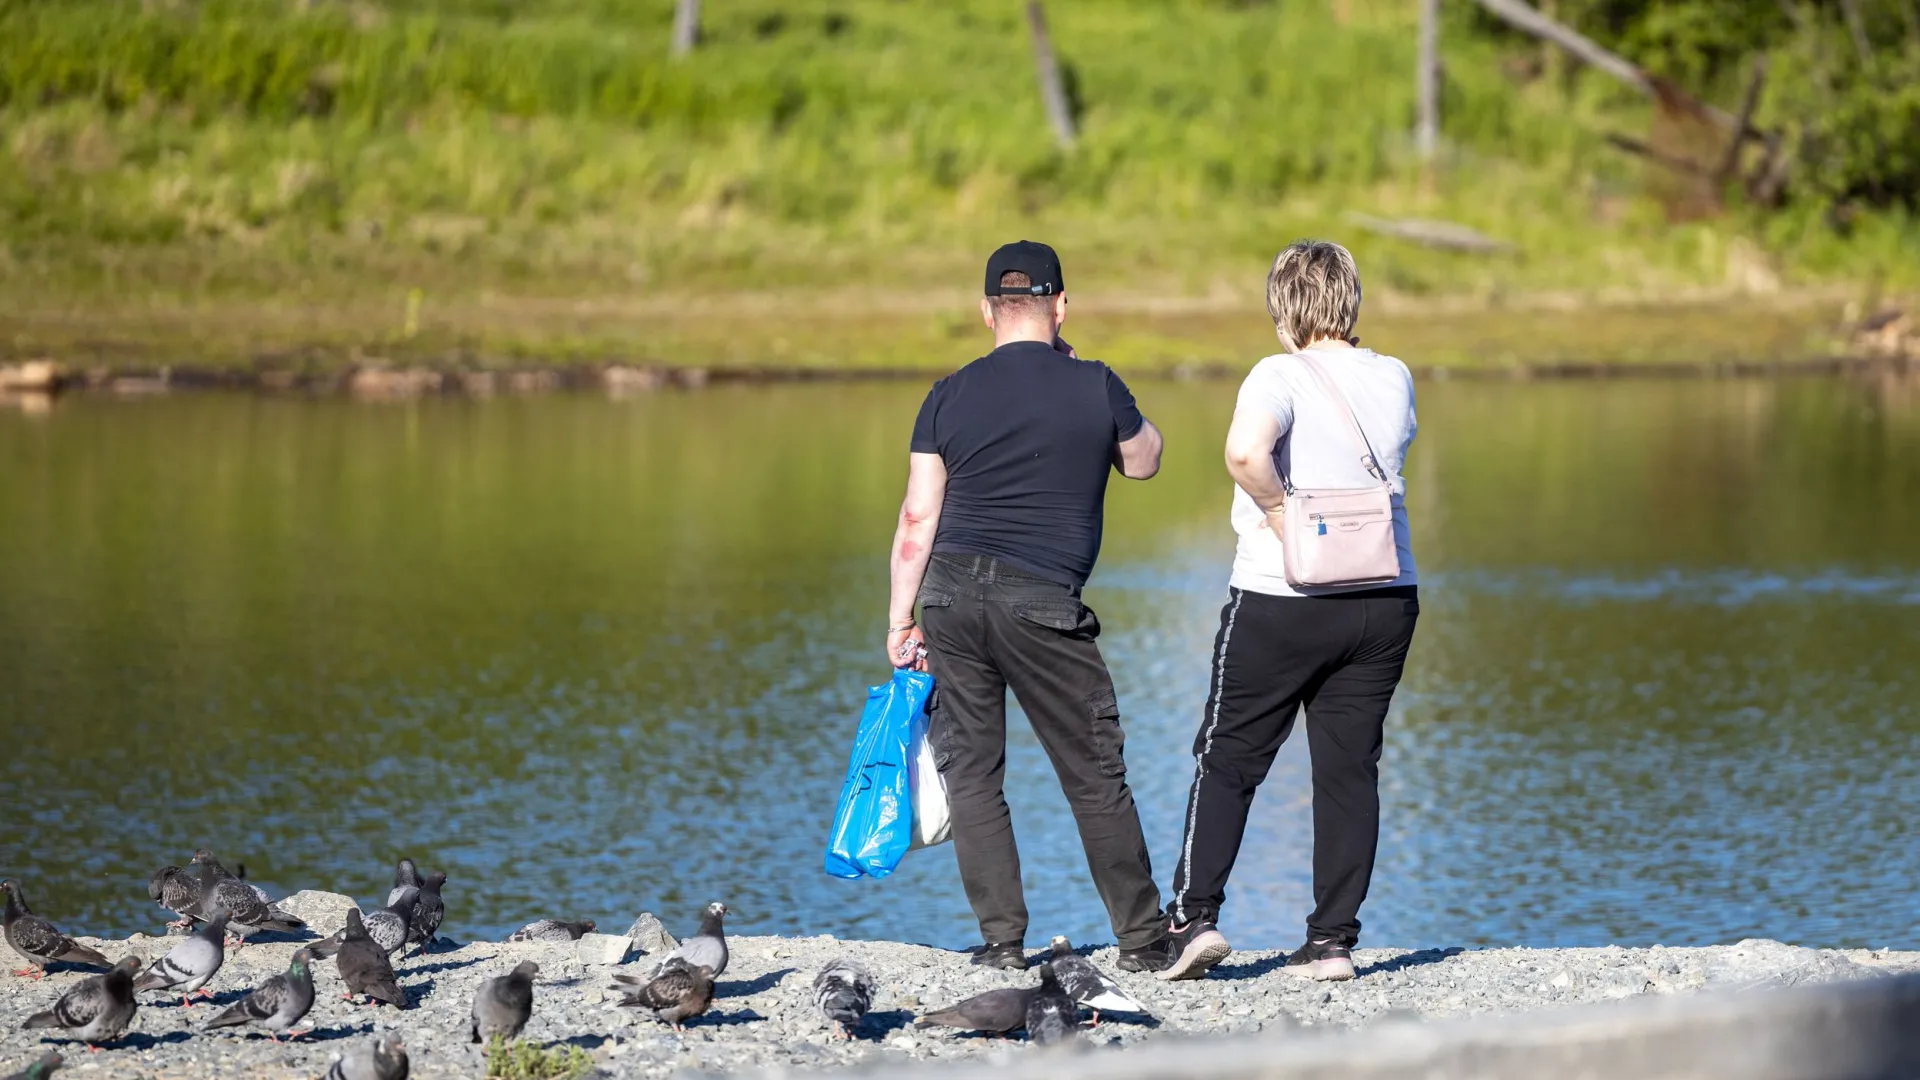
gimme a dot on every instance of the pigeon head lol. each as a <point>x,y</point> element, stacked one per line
<point>526,970</point>
<point>586,926</point>
<point>356,926</point>
<point>1047,979</point>
<point>43,1068</point>
<point>16,899</point>
<point>1061,946</point>
<point>390,1048</point>
<point>201,857</point>
<point>716,910</point>
<point>433,882</point>
<point>301,958</point>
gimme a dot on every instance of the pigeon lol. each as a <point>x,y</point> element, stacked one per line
<point>843,992</point>
<point>38,940</point>
<point>241,876</point>
<point>192,963</point>
<point>247,911</point>
<point>177,891</point>
<point>708,948</point>
<point>502,1005</point>
<point>677,993</point>
<point>384,1058</point>
<point>97,1009</point>
<point>405,876</point>
<point>40,1069</point>
<point>552,930</point>
<point>277,1004</point>
<point>1052,1017</point>
<point>1088,985</point>
<point>997,1011</point>
<point>389,925</point>
<point>364,966</point>
<point>428,911</point>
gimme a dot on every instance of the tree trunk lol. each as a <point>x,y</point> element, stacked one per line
<point>1053,92</point>
<point>1856,27</point>
<point>686,26</point>
<point>1426,132</point>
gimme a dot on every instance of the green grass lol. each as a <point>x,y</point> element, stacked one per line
<point>236,178</point>
<point>525,1061</point>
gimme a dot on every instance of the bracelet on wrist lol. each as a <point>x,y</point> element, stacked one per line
<point>905,626</point>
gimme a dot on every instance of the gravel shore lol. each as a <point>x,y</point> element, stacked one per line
<point>763,1015</point>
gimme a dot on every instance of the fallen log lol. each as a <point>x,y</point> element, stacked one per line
<point>1445,235</point>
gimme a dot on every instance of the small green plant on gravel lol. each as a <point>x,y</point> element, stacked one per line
<point>525,1061</point>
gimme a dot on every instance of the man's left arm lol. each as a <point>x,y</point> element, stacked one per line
<point>912,547</point>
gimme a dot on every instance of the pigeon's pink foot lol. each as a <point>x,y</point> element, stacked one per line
<point>292,1035</point>
<point>186,1001</point>
<point>31,973</point>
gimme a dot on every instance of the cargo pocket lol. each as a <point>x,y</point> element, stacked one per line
<point>1109,742</point>
<point>1067,615</point>
<point>939,733</point>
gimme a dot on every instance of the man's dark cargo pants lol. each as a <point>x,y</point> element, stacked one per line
<point>990,627</point>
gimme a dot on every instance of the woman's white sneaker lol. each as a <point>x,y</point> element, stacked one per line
<point>1321,961</point>
<point>1198,946</point>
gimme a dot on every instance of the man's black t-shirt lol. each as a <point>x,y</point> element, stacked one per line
<point>1027,434</point>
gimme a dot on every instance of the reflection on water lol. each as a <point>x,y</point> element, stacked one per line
<point>596,657</point>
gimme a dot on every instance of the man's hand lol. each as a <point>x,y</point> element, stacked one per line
<point>907,649</point>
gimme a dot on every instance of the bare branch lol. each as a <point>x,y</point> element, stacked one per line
<point>1053,92</point>
<point>686,26</point>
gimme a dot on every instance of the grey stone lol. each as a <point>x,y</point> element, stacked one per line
<point>602,949</point>
<point>650,936</point>
<point>323,912</point>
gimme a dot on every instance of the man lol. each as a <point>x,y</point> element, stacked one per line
<point>998,532</point>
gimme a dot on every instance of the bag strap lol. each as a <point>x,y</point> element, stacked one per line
<point>1332,390</point>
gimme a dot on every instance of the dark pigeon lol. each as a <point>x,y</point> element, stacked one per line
<point>503,1005</point>
<point>708,948</point>
<point>552,930</point>
<point>247,907</point>
<point>40,1069</point>
<point>428,911</point>
<point>996,1011</point>
<point>1088,985</point>
<point>678,993</point>
<point>176,890</point>
<point>381,1059</point>
<point>97,1009</point>
<point>843,992</point>
<point>190,965</point>
<point>405,876</point>
<point>38,941</point>
<point>1052,1017</point>
<point>277,1004</point>
<point>364,965</point>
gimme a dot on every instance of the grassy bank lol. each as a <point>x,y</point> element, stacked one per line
<point>233,179</point>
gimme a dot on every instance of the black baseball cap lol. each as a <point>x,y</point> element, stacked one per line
<point>1037,261</point>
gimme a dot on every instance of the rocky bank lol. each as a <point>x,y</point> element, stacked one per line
<point>763,1015</point>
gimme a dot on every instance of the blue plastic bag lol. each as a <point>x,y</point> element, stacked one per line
<point>873,824</point>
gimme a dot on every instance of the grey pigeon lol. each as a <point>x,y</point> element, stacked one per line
<point>405,876</point>
<point>247,909</point>
<point>428,911</point>
<point>677,993</point>
<point>552,930</point>
<point>1052,1017</point>
<point>388,926</point>
<point>502,1005</point>
<point>996,1011</point>
<point>843,992</point>
<point>277,1004</point>
<point>708,948</point>
<point>39,941</point>
<point>188,967</point>
<point>97,1009</point>
<point>40,1069</point>
<point>177,891</point>
<point>364,966</point>
<point>239,874</point>
<point>1088,985</point>
<point>376,1059</point>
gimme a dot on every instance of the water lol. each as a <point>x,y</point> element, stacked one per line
<point>596,657</point>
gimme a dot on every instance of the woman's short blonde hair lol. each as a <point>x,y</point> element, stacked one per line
<point>1313,291</point>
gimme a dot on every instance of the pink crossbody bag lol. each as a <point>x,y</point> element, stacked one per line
<point>1340,536</point>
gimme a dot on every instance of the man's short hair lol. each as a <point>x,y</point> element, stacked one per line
<point>1019,307</point>
<point>1313,291</point>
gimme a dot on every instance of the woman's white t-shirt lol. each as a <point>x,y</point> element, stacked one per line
<point>1316,450</point>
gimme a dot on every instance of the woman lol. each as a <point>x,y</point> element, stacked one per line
<point>1337,651</point>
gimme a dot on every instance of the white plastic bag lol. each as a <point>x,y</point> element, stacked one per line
<point>926,789</point>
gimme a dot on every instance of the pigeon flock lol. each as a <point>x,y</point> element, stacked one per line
<point>222,909</point>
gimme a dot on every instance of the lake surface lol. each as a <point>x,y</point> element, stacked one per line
<point>596,657</point>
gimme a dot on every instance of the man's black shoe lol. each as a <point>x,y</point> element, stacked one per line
<point>1007,956</point>
<point>1328,960</point>
<point>1158,956</point>
<point>1196,947</point>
